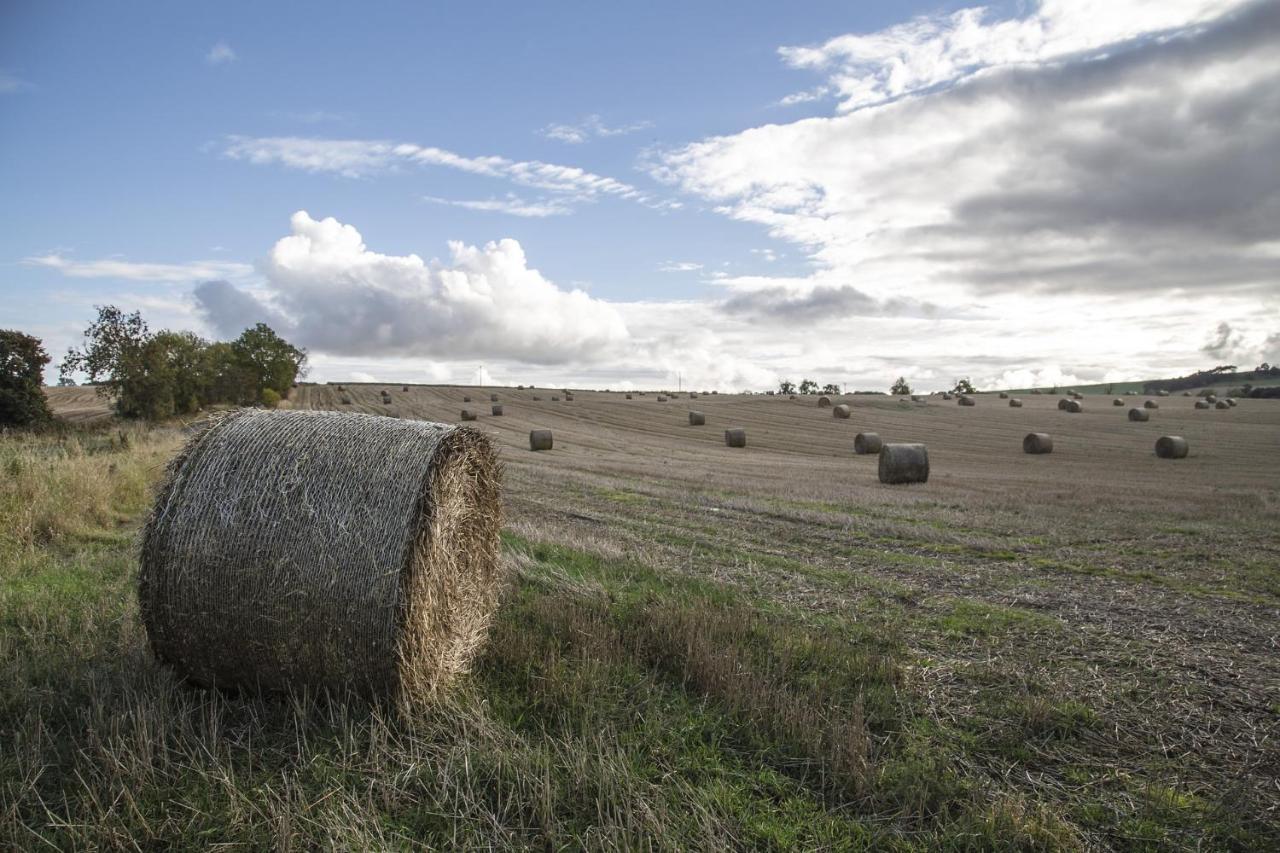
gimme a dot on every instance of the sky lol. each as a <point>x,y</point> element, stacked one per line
<point>711,195</point>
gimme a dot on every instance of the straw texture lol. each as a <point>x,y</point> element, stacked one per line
<point>325,550</point>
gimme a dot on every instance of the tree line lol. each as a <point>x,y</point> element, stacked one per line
<point>150,375</point>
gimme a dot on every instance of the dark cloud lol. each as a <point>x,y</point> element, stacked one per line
<point>231,310</point>
<point>818,303</point>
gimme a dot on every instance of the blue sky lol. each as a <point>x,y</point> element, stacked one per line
<point>752,196</point>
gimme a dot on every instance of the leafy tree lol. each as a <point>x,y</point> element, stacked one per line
<point>22,361</point>
<point>808,386</point>
<point>66,382</point>
<point>963,386</point>
<point>269,360</point>
<point>121,356</point>
<point>900,387</point>
<point>831,388</point>
<point>186,366</point>
<point>786,387</point>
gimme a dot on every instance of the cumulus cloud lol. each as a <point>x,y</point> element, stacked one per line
<point>590,127</point>
<point>334,294</point>
<point>679,266</point>
<point>139,271</point>
<point>220,54</point>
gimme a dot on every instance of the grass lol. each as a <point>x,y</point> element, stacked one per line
<point>618,704</point>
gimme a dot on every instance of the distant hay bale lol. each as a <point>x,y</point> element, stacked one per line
<point>468,415</point>
<point>1162,393</point>
<point>540,439</point>
<point>735,437</point>
<point>1075,407</point>
<point>917,398</point>
<point>1136,414</point>
<point>946,395</point>
<point>693,396</point>
<point>1150,404</point>
<point>904,463</point>
<point>1004,395</point>
<point>841,411</point>
<point>1187,394</point>
<point>1037,442</point>
<point>537,398</point>
<point>493,398</point>
<point>346,401</point>
<point>628,396</point>
<point>404,388</point>
<point>375,571</point>
<point>466,399</point>
<point>966,400</point>
<point>1202,404</point>
<point>386,401</point>
<point>697,419</point>
<point>555,398</point>
<point>496,411</point>
<point>1231,401</point>
<point>866,443</point>
<point>1117,402</point>
<point>662,398</point>
<point>823,402</point>
<point>1036,391</point>
<point>1212,398</point>
<point>1071,392</point>
<point>1221,404</point>
<point>568,398</point>
<point>792,397</point>
<point>1015,403</point>
<point>1077,396</point>
<point>519,387</point>
<point>1171,447</point>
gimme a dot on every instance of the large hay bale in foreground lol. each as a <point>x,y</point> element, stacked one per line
<point>324,550</point>
<point>735,437</point>
<point>840,411</point>
<point>866,443</point>
<point>1037,442</point>
<point>904,463</point>
<point>1171,447</point>
<point>1015,403</point>
<point>1202,404</point>
<point>1136,414</point>
<point>697,419</point>
<point>824,402</point>
<point>540,439</point>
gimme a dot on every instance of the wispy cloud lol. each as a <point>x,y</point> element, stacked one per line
<point>679,266</point>
<point>806,97</point>
<point>356,158</point>
<point>579,132</point>
<point>510,205</point>
<point>10,83</point>
<point>140,271</point>
<point>220,54</point>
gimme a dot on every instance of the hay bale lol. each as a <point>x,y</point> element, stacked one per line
<point>904,463</point>
<point>697,419</point>
<point>1117,402</point>
<point>866,443</point>
<point>496,411</point>
<point>466,399</point>
<point>1004,395</point>
<point>1136,414</point>
<point>1150,404</point>
<point>1077,396</point>
<point>946,395</point>
<point>1162,393</point>
<point>404,388</point>
<point>628,396</point>
<point>841,411</point>
<point>539,439</point>
<point>568,398</point>
<point>1037,442</point>
<point>375,571</point>
<point>693,396</point>
<point>1036,391</point>
<point>1015,403</point>
<point>537,398</point>
<point>468,415</point>
<point>1202,404</point>
<point>824,402</point>
<point>346,401</point>
<point>662,398</point>
<point>1231,401</point>
<point>1171,447</point>
<point>493,398</point>
<point>1212,398</point>
<point>1075,407</point>
<point>1186,394</point>
<point>792,397</point>
<point>966,400</point>
<point>917,398</point>
<point>735,437</point>
<point>555,399</point>
<point>386,401</point>
<point>1221,404</point>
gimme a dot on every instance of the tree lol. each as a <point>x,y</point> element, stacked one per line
<point>22,361</point>
<point>786,387</point>
<point>269,360</point>
<point>831,388</point>
<point>808,386</point>
<point>900,387</point>
<point>121,356</point>
<point>963,386</point>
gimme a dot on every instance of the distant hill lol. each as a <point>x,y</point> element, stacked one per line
<point>1261,383</point>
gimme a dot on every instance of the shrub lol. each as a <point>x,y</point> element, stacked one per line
<point>22,361</point>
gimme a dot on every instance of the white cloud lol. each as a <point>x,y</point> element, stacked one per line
<point>335,295</point>
<point>679,266</point>
<point>356,158</point>
<point>510,205</point>
<point>808,96</point>
<point>10,83</point>
<point>139,271</point>
<point>592,126</point>
<point>220,54</point>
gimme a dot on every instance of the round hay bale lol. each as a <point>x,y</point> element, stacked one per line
<point>1221,404</point>
<point>1004,395</point>
<point>468,415</point>
<point>1036,391</point>
<point>1015,403</point>
<point>1171,447</point>
<point>946,395</point>
<point>697,419</point>
<point>1162,393</point>
<point>904,463</point>
<point>1150,404</point>
<point>539,439</point>
<point>628,396</point>
<point>386,401</point>
<point>693,396</point>
<point>346,401</point>
<point>1071,392</point>
<point>792,397</point>
<point>824,402</point>
<point>1187,394</point>
<point>966,400</point>
<point>841,411</point>
<point>493,398</point>
<point>324,550</point>
<point>1075,407</point>
<point>1136,414</point>
<point>1231,401</point>
<point>866,443</point>
<point>1062,404</point>
<point>1117,402</point>
<point>1202,404</point>
<point>662,398</point>
<point>466,399</point>
<point>404,388</point>
<point>537,398</point>
<point>917,398</point>
<point>735,437</point>
<point>496,411</point>
<point>1037,442</point>
<point>555,399</point>
<point>1212,398</point>
<point>568,398</point>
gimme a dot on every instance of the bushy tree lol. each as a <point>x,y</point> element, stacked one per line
<point>270,361</point>
<point>787,387</point>
<point>22,361</point>
<point>808,386</point>
<point>964,386</point>
<point>831,388</point>
<point>900,387</point>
